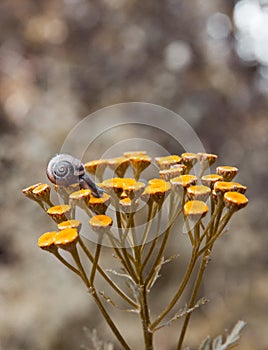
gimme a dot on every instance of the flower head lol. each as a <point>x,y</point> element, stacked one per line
<point>119,165</point>
<point>183,181</point>
<point>101,223</point>
<point>99,205</point>
<point>59,213</point>
<point>96,167</point>
<point>70,224</point>
<point>67,238</point>
<point>227,172</point>
<point>235,200</point>
<point>47,241</point>
<point>168,161</point>
<point>195,209</point>
<point>210,179</point>
<point>198,192</point>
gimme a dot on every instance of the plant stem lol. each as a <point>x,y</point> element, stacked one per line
<point>145,317</point>
<point>96,260</point>
<point>92,291</point>
<point>107,278</point>
<point>180,290</point>
<point>193,297</point>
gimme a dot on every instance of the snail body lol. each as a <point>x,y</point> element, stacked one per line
<point>64,170</point>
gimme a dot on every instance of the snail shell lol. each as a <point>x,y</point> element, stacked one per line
<point>64,170</point>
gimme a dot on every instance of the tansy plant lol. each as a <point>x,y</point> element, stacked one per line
<point>137,220</point>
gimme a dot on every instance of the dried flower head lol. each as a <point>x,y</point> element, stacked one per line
<point>65,191</point>
<point>99,205</point>
<point>70,224</point>
<point>59,213</point>
<point>206,160</point>
<point>139,163</point>
<point>223,186</point>
<point>210,179</point>
<point>96,167</point>
<point>101,223</point>
<point>128,206</point>
<point>168,161</point>
<point>80,197</point>
<point>42,192</point>
<point>183,181</point>
<point>28,192</point>
<point>133,190</point>
<point>235,200</point>
<point>67,238</point>
<point>119,165</point>
<point>227,172</point>
<point>47,240</point>
<point>156,191</point>
<point>173,171</point>
<point>189,160</point>
<point>195,209</point>
<point>198,192</point>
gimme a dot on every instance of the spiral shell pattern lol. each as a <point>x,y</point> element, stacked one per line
<point>64,170</point>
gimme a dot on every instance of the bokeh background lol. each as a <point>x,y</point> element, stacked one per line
<point>62,60</point>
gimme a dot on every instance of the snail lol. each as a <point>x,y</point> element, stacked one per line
<point>64,170</point>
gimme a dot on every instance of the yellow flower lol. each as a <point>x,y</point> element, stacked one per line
<point>168,161</point>
<point>96,167</point>
<point>139,163</point>
<point>119,165</point>
<point>210,179</point>
<point>70,224</point>
<point>101,223</point>
<point>235,200</point>
<point>195,209</point>
<point>227,172</point>
<point>47,240</point>
<point>223,186</point>
<point>173,171</point>
<point>67,238</point>
<point>198,192</point>
<point>156,191</point>
<point>183,181</point>
<point>59,213</point>
<point>99,205</point>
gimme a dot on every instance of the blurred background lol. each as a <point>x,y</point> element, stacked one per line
<point>62,60</point>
